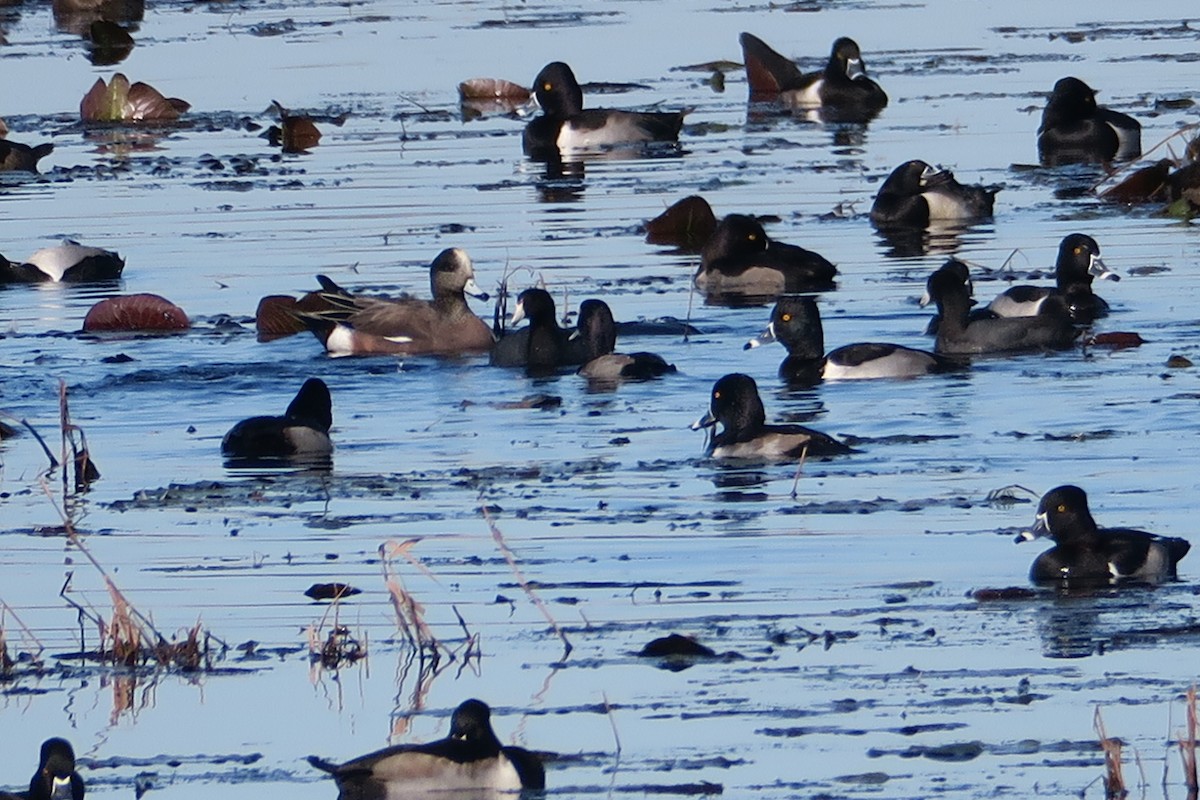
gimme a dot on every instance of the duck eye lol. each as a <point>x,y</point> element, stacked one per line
<point>547,86</point>
<point>716,395</point>
<point>751,237</point>
<point>787,317</point>
<point>1079,250</point>
<point>1062,509</point>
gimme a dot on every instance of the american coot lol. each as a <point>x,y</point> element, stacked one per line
<point>796,323</point>
<point>739,263</point>
<point>1077,266</point>
<point>1086,553</point>
<point>735,404</point>
<point>359,325</point>
<point>543,347</point>
<point>69,262</point>
<point>916,194</point>
<point>302,431</point>
<point>958,334</point>
<point>564,124</point>
<point>1075,129</point>
<point>469,758</point>
<point>598,333</point>
<point>56,778</point>
<point>842,88</point>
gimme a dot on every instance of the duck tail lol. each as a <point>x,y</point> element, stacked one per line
<point>323,765</point>
<point>767,71</point>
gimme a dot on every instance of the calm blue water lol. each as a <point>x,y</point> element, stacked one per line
<point>607,498</point>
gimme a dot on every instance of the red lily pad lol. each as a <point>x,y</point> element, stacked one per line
<point>136,312</point>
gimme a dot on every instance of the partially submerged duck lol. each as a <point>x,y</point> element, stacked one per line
<point>69,262</point>
<point>302,431</point>
<point>916,194</point>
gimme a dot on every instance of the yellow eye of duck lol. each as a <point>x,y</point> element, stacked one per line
<point>716,395</point>
<point>1079,250</point>
<point>753,237</point>
<point>787,317</point>
<point>547,86</point>
<point>1062,509</point>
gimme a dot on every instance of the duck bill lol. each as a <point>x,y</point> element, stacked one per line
<point>933,176</point>
<point>926,299</point>
<point>766,337</point>
<point>1098,269</point>
<point>529,107</point>
<point>1040,528</point>
<point>471,288</point>
<point>855,69</point>
<point>61,789</point>
<point>518,313</point>
<point>707,421</point>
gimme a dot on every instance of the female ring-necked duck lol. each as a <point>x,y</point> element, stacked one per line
<point>469,758</point>
<point>796,323</point>
<point>739,262</point>
<point>1077,266</point>
<point>598,332</point>
<point>302,431</point>
<point>1086,553</point>
<point>17,157</point>
<point>69,262</point>
<point>916,194</point>
<point>958,334</point>
<point>543,346</point>
<point>842,87</point>
<point>735,404</point>
<point>1074,129</point>
<point>565,124</point>
<point>56,778</point>
<point>444,326</point>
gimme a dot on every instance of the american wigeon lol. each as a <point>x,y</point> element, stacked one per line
<point>1077,266</point>
<point>56,778</point>
<point>69,262</point>
<point>598,332</point>
<point>740,263</point>
<point>958,334</point>
<point>1075,129</point>
<point>444,326</point>
<point>565,124</point>
<point>916,194</point>
<point>796,323</point>
<point>469,758</point>
<point>842,88</point>
<point>1084,552</point>
<point>735,404</point>
<point>302,431</point>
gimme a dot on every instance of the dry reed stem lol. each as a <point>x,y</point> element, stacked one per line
<point>6,611</point>
<point>1141,160</point>
<point>1187,745</point>
<point>1114,780</point>
<point>799,469</point>
<point>410,615</point>
<point>524,584</point>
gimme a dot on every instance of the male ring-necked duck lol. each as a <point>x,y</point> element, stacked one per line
<point>958,334</point>
<point>735,404</point>
<point>565,124</point>
<point>739,262</point>
<point>598,332</point>
<point>56,778</point>
<point>17,157</point>
<point>916,194</point>
<point>69,262</point>
<point>842,87</point>
<point>469,758</point>
<point>1084,552</point>
<point>543,346</point>
<point>1075,129</point>
<point>302,431</point>
<point>796,323</point>
<point>445,326</point>
<point>1077,266</point>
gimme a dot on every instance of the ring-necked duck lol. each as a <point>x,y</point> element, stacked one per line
<point>543,346</point>
<point>303,430</point>
<point>1075,129</point>
<point>1077,266</point>
<point>564,124</point>
<point>1087,553</point>
<point>916,194</point>
<point>843,86</point>
<point>469,758</point>
<point>739,262</point>
<point>598,332</point>
<point>445,326</point>
<point>17,157</point>
<point>69,262</point>
<point>56,778</point>
<point>735,404</point>
<point>796,323</point>
<point>958,334</point>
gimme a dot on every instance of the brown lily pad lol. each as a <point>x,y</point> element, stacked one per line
<point>136,312</point>
<point>296,133</point>
<point>492,89</point>
<point>121,101</point>
<point>1117,339</point>
<point>688,224</point>
<point>1143,186</point>
<point>331,591</point>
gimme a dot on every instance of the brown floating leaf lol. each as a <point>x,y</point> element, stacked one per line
<point>1116,339</point>
<point>331,591</point>
<point>136,312</point>
<point>120,101</point>
<point>492,89</point>
<point>1143,186</point>
<point>687,223</point>
<point>295,133</point>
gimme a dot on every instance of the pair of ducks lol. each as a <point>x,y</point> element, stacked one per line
<point>470,758</point>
